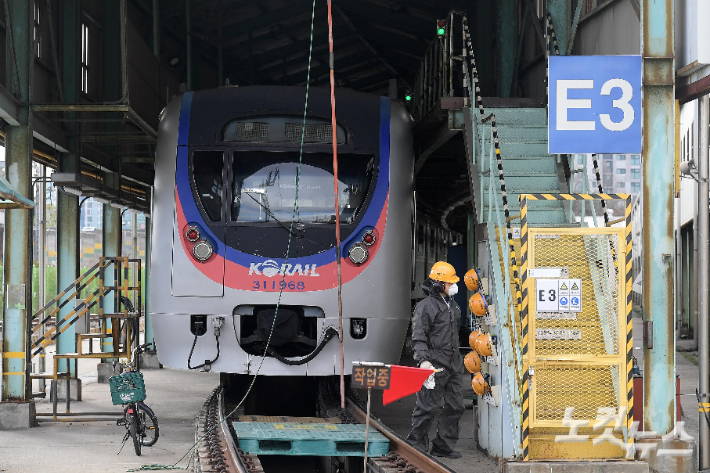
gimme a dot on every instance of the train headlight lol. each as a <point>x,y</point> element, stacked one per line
<point>192,234</point>
<point>369,237</point>
<point>202,250</point>
<point>358,253</point>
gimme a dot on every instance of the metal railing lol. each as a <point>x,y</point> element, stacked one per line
<point>76,291</point>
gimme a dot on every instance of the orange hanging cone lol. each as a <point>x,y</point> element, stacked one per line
<point>404,380</point>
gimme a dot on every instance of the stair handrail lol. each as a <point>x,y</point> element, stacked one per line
<point>84,307</point>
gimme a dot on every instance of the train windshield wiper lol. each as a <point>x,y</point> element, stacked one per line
<point>271,214</point>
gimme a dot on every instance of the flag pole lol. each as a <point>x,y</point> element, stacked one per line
<point>367,426</point>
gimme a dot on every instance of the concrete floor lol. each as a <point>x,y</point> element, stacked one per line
<point>176,396</point>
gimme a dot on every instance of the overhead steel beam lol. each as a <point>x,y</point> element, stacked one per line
<point>242,26</point>
<point>382,14</point>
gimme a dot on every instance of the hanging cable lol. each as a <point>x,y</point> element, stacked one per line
<point>331,61</point>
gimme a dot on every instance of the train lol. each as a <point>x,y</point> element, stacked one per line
<point>224,250</point>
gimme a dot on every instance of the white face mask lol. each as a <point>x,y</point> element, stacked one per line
<point>453,290</point>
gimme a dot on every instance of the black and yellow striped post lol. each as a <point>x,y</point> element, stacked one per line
<point>525,302</point>
<point>629,306</point>
<point>524,326</point>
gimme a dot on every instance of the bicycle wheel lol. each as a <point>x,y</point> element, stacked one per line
<point>149,425</point>
<point>133,430</point>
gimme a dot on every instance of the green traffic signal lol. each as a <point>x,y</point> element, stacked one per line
<point>441,31</point>
<point>408,98</point>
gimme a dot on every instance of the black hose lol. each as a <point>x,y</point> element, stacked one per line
<point>330,333</point>
<point>189,358</point>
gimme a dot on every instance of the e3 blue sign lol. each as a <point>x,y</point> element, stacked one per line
<point>594,104</point>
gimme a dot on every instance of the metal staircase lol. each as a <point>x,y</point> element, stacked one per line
<point>527,166</point>
<point>520,125</point>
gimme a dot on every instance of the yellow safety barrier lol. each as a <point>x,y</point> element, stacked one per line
<point>576,335</point>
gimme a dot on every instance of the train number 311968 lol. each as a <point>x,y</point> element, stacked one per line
<point>274,285</point>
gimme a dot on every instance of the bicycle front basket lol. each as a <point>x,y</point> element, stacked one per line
<point>127,387</point>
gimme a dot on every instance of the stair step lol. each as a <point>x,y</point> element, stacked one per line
<point>518,116</point>
<point>514,149</point>
<point>508,134</point>
<point>537,183</point>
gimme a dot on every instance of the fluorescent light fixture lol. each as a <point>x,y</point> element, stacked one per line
<point>101,200</point>
<point>71,191</point>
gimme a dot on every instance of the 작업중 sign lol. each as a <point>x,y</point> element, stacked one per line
<point>376,377</point>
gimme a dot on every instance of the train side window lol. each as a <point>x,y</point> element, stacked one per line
<point>207,175</point>
<point>420,241</point>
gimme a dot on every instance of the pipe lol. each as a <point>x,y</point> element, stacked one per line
<point>134,253</point>
<point>188,44</point>
<point>220,50</point>
<point>42,259</point>
<point>331,61</point>
<point>703,279</point>
<point>156,28</point>
<point>149,337</point>
<point>694,303</point>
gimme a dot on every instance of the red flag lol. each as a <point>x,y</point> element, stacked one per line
<point>404,380</point>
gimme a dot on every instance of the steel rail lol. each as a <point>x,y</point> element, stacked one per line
<point>401,449</point>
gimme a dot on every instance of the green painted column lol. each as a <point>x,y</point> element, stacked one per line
<point>68,205</point>
<point>16,300</point>
<point>506,46</point>
<point>149,337</point>
<point>67,256</point>
<point>561,12</point>
<point>112,243</point>
<point>658,123</point>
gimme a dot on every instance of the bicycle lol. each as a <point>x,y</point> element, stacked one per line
<point>128,389</point>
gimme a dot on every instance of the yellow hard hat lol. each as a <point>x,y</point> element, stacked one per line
<point>472,362</point>
<point>473,282</point>
<point>483,344</point>
<point>443,271</point>
<point>480,385</point>
<point>472,338</point>
<point>478,304</point>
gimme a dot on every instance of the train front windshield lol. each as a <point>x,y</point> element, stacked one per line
<point>264,187</point>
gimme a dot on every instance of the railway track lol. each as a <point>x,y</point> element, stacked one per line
<point>217,451</point>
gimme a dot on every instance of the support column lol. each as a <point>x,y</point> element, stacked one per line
<point>149,337</point>
<point>506,46</point>
<point>67,255</point>
<point>703,276</point>
<point>658,112</point>
<point>111,247</point>
<point>561,12</point>
<point>156,28</point>
<point>16,387</point>
<point>68,205</point>
<point>42,260</point>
